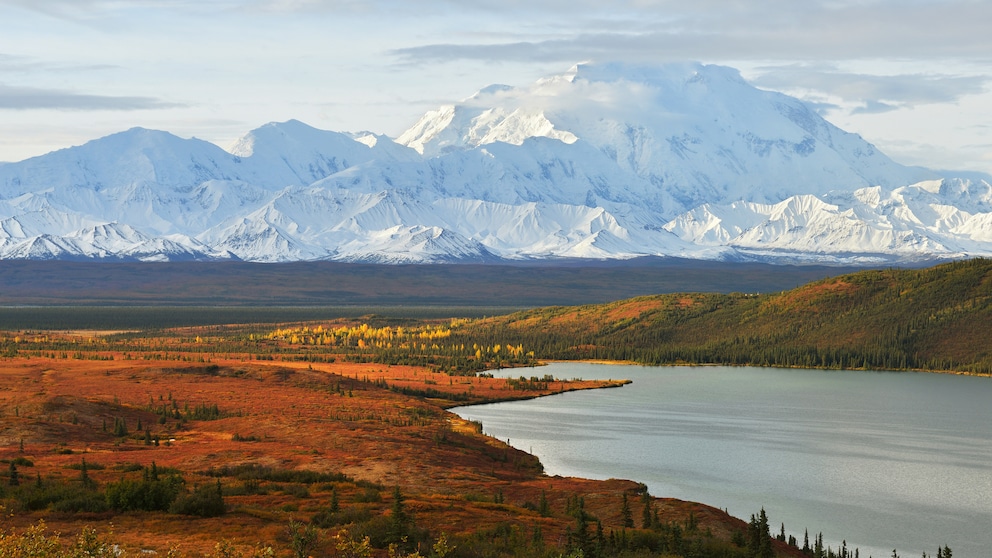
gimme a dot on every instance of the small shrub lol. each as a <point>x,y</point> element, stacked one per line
<point>204,501</point>
<point>92,502</point>
<point>326,518</point>
<point>297,490</point>
<point>89,466</point>
<point>31,497</point>
<point>381,533</point>
<point>146,494</point>
<point>370,496</point>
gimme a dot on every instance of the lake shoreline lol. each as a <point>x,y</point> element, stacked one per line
<point>735,391</point>
<point>712,364</point>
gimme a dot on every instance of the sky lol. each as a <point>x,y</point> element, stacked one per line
<point>914,77</point>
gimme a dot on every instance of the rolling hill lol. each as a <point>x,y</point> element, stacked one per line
<point>933,319</point>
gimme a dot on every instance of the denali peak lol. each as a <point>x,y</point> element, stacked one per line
<point>602,161</point>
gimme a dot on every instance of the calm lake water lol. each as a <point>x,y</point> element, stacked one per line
<point>882,460</point>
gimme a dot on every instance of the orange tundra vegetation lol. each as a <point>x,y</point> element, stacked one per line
<point>341,450</point>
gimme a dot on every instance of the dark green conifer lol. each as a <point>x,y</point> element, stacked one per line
<point>84,474</point>
<point>537,537</point>
<point>335,506</point>
<point>646,515</point>
<point>580,538</point>
<point>625,514</point>
<point>398,520</point>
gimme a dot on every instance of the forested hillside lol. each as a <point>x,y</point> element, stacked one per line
<point>934,319</point>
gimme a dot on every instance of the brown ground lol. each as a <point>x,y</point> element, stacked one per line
<point>323,417</point>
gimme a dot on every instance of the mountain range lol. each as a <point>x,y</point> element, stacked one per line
<point>606,161</point>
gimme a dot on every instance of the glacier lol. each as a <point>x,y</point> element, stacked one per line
<point>604,161</point>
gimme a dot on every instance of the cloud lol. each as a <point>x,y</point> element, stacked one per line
<point>874,107</point>
<point>630,47</point>
<point>571,30</point>
<point>543,51</point>
<point>711,30</point>
<point>105,6</point>
<point>821,107</point>
<point>10,64</point>
<point>32,98</point>
<point>873,93</point>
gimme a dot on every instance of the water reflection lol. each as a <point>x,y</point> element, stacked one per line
<point>884,460</point>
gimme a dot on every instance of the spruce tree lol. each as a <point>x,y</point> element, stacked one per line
<point>84,475</point>
<point>764,536</point>
<point>581,536</point>
<point>537,537</point>
<point>600,539</point>
<point>753,537</point>
<point>628,518</point>
<point>398,520</point>
<point>335,506</point>
<point>120,427</point>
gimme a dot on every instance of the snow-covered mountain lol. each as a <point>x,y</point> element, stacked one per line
<point>604,161</point>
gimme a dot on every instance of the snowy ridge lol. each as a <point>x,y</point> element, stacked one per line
<point>911,222</point>
<point>603,161</point>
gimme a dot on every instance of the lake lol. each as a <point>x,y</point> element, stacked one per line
<point>882,460</point>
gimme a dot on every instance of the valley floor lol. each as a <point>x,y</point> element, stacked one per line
<point>282,441</point>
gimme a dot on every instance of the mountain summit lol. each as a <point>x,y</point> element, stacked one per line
<point>700,133</point>
<point>603,161</point>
